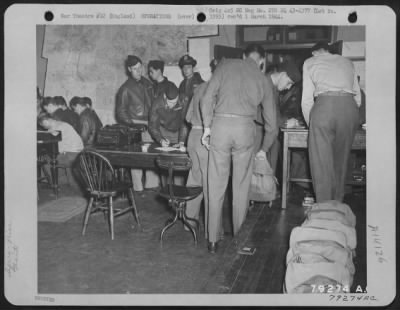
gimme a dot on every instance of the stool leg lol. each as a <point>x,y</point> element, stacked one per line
<point>111,216</point>
<point>185,221</point>
<point>88,210</point>
<point>169,225</point>
<point>66,175</point>
<point>134,209</point>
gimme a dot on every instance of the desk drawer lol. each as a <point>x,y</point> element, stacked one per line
<point>298,139</point>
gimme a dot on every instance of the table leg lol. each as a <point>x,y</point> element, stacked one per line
<point>54,174</point>
<point>284,170</point>
<point>289,165</point>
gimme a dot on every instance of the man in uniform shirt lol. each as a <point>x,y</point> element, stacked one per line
<point>89,123</point>
<point>199,156</point>
<point>332,119</point>
<point>166,118</point>
<point>133,104</point>
<point>191,79</point>
<point>156,73</point>
<point>229,108</point>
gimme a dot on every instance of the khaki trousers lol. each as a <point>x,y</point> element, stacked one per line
<point>333,125</point>
<point>152,179</point>
<point>232,140</point>
<point>198,177</point>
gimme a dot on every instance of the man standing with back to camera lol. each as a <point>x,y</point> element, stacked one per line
<point>332,119</point>
<point>229,108</point>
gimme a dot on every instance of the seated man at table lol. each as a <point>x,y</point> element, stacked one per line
<point>69,147</point>
<point>68,113</point>
<point>88,103</point>
<point>89,123</point>
<point>71,143</point>
<point>166,120</point>
<point>53,106</point>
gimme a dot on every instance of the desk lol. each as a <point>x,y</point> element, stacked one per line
<point>47,144</point>
<point>298,138</point>
<point>133,157</point>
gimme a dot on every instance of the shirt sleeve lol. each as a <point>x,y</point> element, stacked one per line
<point>307,100</point>
<point>210,97</point>
<point>269,115</point>
<point>357,90</point>
<point>183,131</point>
<point>154,123</point>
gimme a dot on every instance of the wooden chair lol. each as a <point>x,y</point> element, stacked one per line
<point>178,195</point>
<point>103,183</point>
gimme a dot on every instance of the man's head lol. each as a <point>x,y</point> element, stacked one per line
<point>49,105</point>
<point>78,105</point>
<point>320,48</point>
<point>171,94</point>
<point>255,52</point>
<point>87,101</point>
<point>134,66</point>
<point>286,75</point>
<point>187,64</point>
<point>156,69</point>
<point>60,102</point>
<point>47,122</point>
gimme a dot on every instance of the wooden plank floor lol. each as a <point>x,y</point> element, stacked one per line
<point>264,271</point>
<point>136,263</point>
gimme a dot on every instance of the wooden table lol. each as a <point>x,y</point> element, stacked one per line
<point>133,157</point>
<point>298,138</point>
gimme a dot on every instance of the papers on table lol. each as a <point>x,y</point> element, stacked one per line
<point>167,148</point>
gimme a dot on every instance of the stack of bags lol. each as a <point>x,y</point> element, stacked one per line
<point>320,258</point>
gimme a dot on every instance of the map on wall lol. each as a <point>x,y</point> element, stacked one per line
<point>88,60</point>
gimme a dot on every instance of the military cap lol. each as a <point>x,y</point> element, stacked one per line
<point>187,60</point>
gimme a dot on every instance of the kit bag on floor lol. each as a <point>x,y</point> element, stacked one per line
<point>317,253</point>
<point>332,210</point>
<point>308,277</point>
<point>263,182</point>
<point>350,232</point>
<point>330,250</point>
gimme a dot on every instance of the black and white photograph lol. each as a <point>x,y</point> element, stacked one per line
<point>215,150</point>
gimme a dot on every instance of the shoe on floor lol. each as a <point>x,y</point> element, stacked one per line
<point>212,247</point>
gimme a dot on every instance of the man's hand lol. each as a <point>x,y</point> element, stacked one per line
<point>205,139</point>
<point>164,142</point>
<point>261,155</point>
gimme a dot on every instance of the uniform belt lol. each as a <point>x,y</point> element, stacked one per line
<point>232,115</point>
<point>336,93</point>
<point>197,127</point>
